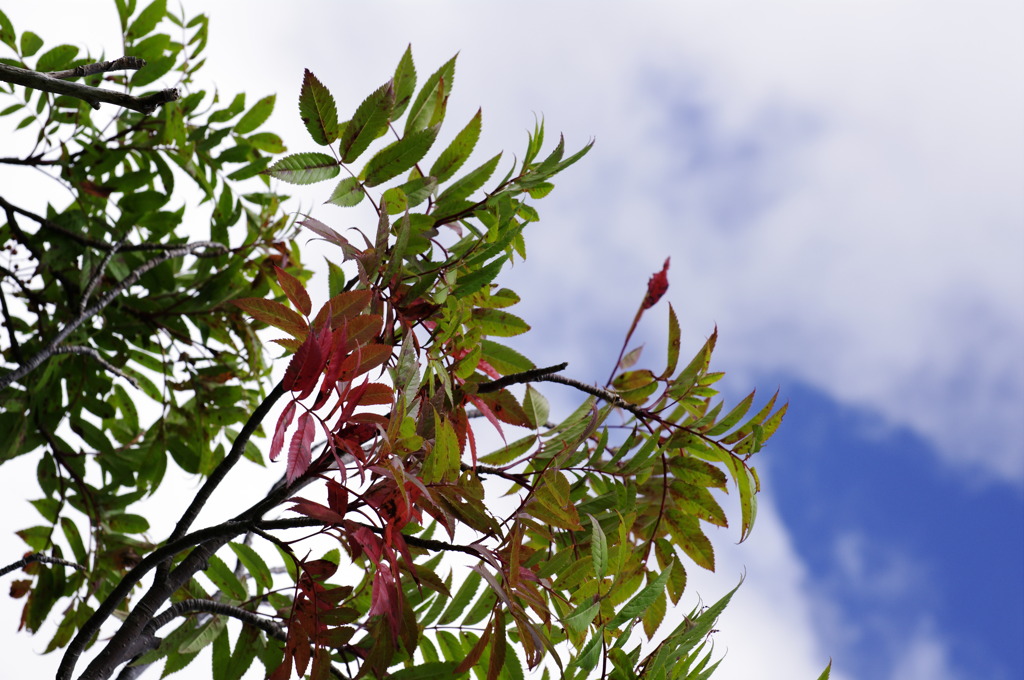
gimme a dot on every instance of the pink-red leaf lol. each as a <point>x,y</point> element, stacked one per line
<point>322,230</point>
<point>365,358</point>
<point>343,307</point>
<point>274,314</point>
<point>299,449</point>
<point>657,286</point>
<point>308,362</point>
<point>295,291</point>
<point>277,443</point>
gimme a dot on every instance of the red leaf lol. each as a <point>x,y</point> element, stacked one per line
<point>657,286</point>
<point>337,497</point>
<point>322,230</point>
<point>316,511</point>
<point>304,369</point>
<point>298,451</point>
<point>337,360</point>
<point>293,288</point>
<point>282,426</point>
<point>364,359</point>
<point>274,314</point>
<point>485,409</point>
<point>342,307</point>
<point>376,394</point>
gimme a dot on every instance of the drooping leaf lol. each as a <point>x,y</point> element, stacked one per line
<point>299,450</point>
<point>283,421</point>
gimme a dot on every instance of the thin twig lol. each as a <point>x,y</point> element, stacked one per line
<point>15,346</point>
<point>93,96</point>
<point>130,280</point>
<point>532,375</point>
<point>78,349</point>
<point>39,557</point>
<point>119,64</point>
<point>271,628</point>
<point>84,240</point>
<point>222,469</point>
<point>97,276</point>
<point>610,397</point>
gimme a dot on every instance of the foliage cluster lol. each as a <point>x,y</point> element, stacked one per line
<point>573,539</point>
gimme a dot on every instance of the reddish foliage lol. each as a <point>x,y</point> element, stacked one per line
<point>657,286</point>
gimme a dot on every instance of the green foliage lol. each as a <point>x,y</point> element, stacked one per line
<point>575,534</point>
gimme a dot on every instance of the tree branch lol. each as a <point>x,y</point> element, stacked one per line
<point>218,474</point>
<point>532,375</point>
<point>91,95</point>
<point>78,349</point>
<point>34,362</point>
<point>271,628</point>
<point>610,397</point>
<point>119,64</point>
<point>39,557</point>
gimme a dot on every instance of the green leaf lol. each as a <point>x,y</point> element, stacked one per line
<point>442,462</point>
<point>731,418</point>
<point>348,193</point>
<point>452,158</point>
<point>580,619</point>
<point>508,453</point>
<point>335,279</point>
<point>462,598</point>
<point>225,580</point>
<point>399,156</point>
<point>536,407</point>
<point>7,34</point>
<point>369,122</point>
<point>674,342</point>
<point>403,83</point>
<point>505,360</point>
<point>266,141</point>
<point>232,110</point>
<point>598,548</point>
<point>304,168</point>
<point>254,117</point>
<point>153,71</point>
<point>254,564</point>
<point>128,524</point>
<point>56,58</point>
<point>466,186</point>
<point>825,674</point>
<point>146,21</point>
<point>30,43</point>
<point>635,607</point>
<point>474,281</point>
<point>499,323</point>
<point>428,109</point>
<point>317,110</point>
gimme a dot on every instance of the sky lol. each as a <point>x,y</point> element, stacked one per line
<point>839,186</point>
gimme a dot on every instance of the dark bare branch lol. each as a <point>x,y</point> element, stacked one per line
<point>93,96</point>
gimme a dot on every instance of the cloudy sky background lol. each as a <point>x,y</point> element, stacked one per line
<point>840,189</point>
